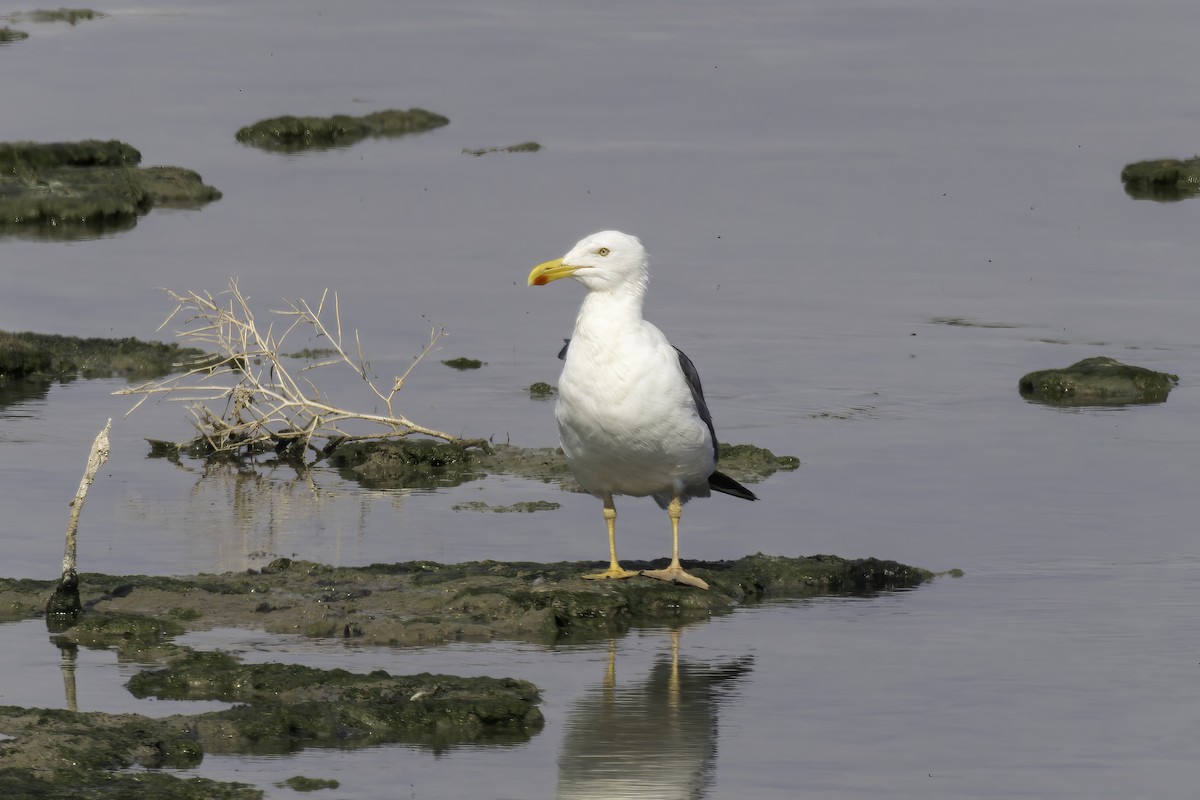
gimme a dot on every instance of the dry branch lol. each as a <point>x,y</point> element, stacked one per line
<point>244,398</point>
<point>64,602</point>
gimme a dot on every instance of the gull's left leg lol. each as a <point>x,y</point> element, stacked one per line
<point>674,571</point>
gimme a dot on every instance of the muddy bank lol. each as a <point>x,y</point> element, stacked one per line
<point>295,134</point>
<point>424,602</point>
<point>1098,381</point>
<point>72,190</point>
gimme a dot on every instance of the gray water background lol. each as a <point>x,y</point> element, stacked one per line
<point>822,186</point>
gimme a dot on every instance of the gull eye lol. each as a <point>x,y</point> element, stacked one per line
<point>603,251</point>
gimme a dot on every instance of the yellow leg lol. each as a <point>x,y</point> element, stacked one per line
<point>674,571</point>
<point>615,570</point>
<point>673,680</point>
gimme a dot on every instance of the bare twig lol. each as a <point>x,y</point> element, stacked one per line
<point>96,459</point>
<point>264,405</point>
<point>64,602</point>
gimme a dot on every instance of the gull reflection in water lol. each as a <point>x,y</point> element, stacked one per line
<point>654,738</point>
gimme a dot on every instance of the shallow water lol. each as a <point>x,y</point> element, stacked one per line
<point>822,188</point>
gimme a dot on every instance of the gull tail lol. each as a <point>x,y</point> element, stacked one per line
<point>720,482</point>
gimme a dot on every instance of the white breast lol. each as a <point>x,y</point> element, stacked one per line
<point>626,418</point>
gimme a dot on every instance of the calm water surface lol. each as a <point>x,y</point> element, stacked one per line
<point>822,186</point>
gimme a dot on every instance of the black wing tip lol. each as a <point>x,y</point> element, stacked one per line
<point>720,482</point>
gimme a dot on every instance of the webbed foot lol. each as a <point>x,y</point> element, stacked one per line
<point>675,574</point>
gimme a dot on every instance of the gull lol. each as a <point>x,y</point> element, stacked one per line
<point>631,415</point>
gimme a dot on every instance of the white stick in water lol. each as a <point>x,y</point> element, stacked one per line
<point>96,460</point>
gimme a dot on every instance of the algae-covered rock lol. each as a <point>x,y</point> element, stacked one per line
<point>1098,381</point>
<point>62,754</point>
<point>426,602</point>
<point>280,708</point>
<point>523,507</point>
<point>16,157</point>
<point>1165,180</point>
<point>748,462</point>
<point>176,187</point>
<point>300,783</point>
<point>541,390</point>
<point>66,190</point>
<point>463,363</point>
<point>27,354</point>
<point>294,134</point>
<point>286,706</point>
<point>407,463</point>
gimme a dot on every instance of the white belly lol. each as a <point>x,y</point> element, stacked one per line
<point>630,426</point>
